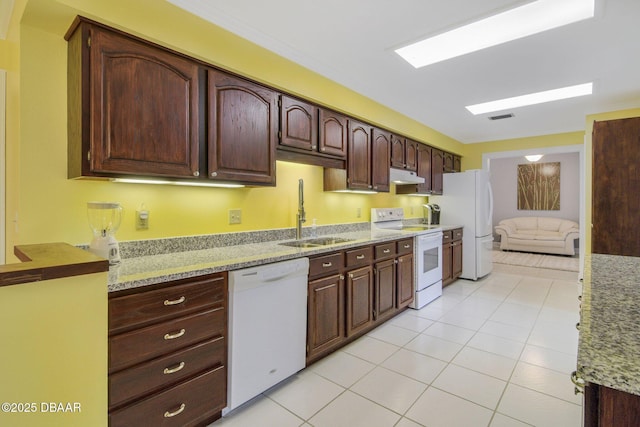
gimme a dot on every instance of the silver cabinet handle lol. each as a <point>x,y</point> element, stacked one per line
<point>327,264</point>
<point>324,288</point>
<point>214,173</point>
<point>360,257</point>
<point>386,251</point>
<point>174,336</point>
<point>407,246</point>
<point>577,382</point>
<point>174,369</point>
<point>178,411</point>
<point>196,173</point>
<point>175,301</point>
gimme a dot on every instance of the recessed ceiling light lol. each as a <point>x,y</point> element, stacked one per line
<point>533,157</point>
<point>532,98</point>
<point>532,18</point>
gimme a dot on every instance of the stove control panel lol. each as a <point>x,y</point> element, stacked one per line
<point>387,214</point>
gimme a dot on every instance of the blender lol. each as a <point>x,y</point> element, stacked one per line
<point>104,220</point>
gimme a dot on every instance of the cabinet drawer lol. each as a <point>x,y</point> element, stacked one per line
<point>186,296</point>
<point>326,264</point>
<point>143,344</point>
<point>358,257</point>
<point>456,234</point>
<point>159,373</point>
<point>193,402</point>
<point>447,236</point>
<point>405,246</point>
<point>385,250</point>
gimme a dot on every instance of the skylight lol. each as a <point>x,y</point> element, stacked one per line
<point>532,18</point>
<point>532,98</point>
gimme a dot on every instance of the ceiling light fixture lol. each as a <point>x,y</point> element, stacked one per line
<point>533,157</point>
<point>532,99</point>
<point>532,18</point>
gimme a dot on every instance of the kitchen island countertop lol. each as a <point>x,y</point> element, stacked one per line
<point>609,344</point>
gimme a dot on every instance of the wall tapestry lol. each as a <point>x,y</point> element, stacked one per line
<point>539,186</point>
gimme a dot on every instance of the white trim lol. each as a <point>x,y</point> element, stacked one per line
<point>577,148</point>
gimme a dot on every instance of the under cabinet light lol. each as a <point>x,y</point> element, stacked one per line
<point>532,98</point>
<point>183,183</point>
<point>533,157</point>
<point>532,18</point>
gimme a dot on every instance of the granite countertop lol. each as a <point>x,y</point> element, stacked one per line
<point>147,269</point>
<point>609,345</point>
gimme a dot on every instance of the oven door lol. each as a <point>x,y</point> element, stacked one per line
<point>429,260</point>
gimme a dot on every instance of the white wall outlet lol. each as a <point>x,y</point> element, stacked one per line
<point>235,216</point>
<point>142,220</point>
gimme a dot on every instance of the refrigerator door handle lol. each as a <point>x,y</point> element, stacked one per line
<point>490,194</point>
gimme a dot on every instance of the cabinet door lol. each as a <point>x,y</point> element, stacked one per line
<point>616,178</point>
<point>385,288</point>
<point>380,160</point>
<point>333,133</point>
<point>242,130</point>
<point>397,152</point>
<point>448,162</point>
<point>359,156</point>
<point>325,327</point>
<point>456,259</point>
<point>405,280</point>
<point>359,299</point>
<point>424,168</point>
<point>143,110</point>
<point>446,263</point>
<point>298,124</point>
<point>437,165</point>
<point>411,155</point>
<point>457,164</point>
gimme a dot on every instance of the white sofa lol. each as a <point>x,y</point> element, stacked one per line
<point>538,234</point>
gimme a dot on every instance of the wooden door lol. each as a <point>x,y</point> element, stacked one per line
<point>616,183</point>
<point>144,108</point>
<point>359,156</point>
<point>385,288</point>
<point>411,155</point>
<point>380,159</point>
<point>424,168</point>
<point>447,258</point>
<point>359,301</point>
<point>298,124</point>
<point>325,327</point>
<point>404,281</point>
<point>437,165</point>
<point>333,133</point>
<point>397,152</point>
<point>242,130</point>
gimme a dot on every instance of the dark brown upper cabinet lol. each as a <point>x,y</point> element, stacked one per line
<point>333,133</point>
<point>359,156</point>
<point>298,124</point>
<point>437,168</point>
<point>242,130</point>
<point>380,159</point>
<point>423,169</point>
<point>133,107</point>
<point>404,153</point>
<point>452,163</point>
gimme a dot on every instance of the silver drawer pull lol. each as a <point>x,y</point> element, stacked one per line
<point>175,301</point>
<point>327,264</point>
<point>324,288</point>
<point>174,336</point>
<point>176,412</point>
<point>386,251</point>
<point>174,369</point>
<point>360,257</point>
<point>406,246</point>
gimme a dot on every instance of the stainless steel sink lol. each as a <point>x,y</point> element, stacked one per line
<point>313,243</point>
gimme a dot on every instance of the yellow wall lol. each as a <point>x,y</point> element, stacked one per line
<point>49,207</point>
<point>54,349</point>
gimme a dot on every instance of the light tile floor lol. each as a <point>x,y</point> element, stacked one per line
<point>497,352</point>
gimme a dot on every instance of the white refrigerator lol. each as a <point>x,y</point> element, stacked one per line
<point>467,200</point>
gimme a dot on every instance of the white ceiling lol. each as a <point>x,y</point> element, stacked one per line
<point>352,42</point>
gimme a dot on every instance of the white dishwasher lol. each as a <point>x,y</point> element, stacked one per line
<point>267,327</point>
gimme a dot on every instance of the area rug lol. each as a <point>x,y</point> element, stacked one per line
<point>525,259</point>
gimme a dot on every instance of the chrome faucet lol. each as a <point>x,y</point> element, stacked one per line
<point>300,216</point>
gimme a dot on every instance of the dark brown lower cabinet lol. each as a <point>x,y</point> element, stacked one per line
<point>168,353</point>
<point>451,255</point>
<point>606,407</point>
<point>359,284</point>
<point>325,314</point>
<point>385,288</point>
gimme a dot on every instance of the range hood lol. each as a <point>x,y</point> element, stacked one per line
<point>403,176</point>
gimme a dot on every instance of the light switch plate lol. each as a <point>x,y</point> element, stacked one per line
<point>235,216</point>
<point>142,220</point>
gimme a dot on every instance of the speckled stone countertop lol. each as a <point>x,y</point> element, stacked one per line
<point>162,260</point>
<point>609,345</point>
